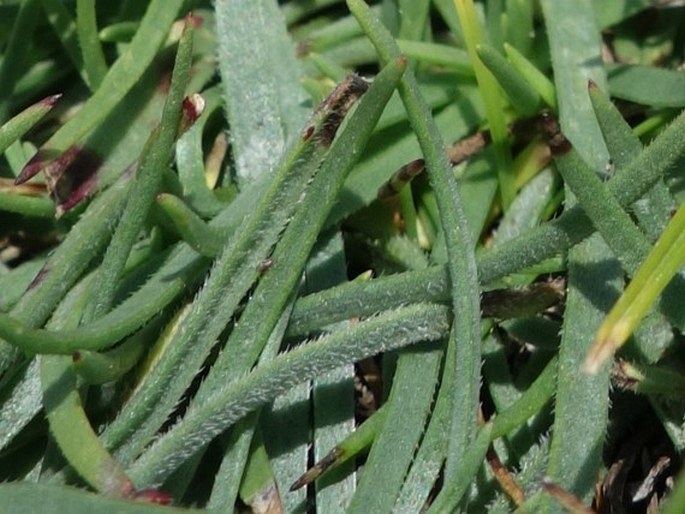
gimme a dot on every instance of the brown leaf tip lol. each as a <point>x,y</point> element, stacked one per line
<point>51,100</point>
<point>592,85</point>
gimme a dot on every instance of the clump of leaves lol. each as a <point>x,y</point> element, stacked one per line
<point>247,243</point>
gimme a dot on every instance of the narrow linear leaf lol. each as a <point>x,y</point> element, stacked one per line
<point>148,179</point>
<point>662,263</point>
<point>450,496</point>
<point>20,124</point>
<point>582,404</point>
<point>73,433</point>
<point>473,37</point>
<point>18,46</point>
<point>232,275</point>
<point>49,499</point>
<point>201,424</point>
<point>407,409</point>
<point>203,238</point>
<point>521,95</point>
<point>94,62</point>
<point>533,76</point>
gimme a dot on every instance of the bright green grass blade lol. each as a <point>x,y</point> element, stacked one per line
<point>533,76</point>
<point>521,95</point>
<point>491,97</point>
<point>662,263</point>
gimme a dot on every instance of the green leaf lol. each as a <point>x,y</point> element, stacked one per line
<point>262,93</point>
<point>575,45</point>
<point>656,87</point>
<point>50,499</point>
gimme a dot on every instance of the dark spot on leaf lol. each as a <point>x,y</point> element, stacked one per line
<point>307,133</point>
<point>38,278</point>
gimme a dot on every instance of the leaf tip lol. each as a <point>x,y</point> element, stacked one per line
<point>50,101</point>
<point>601,350</point>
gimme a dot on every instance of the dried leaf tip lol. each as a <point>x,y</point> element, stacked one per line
<point>338,104</point>
<point>601,350</point>
<point>592,85</point>
<point>30,170</point>
<point>50,101</point>
<point>194,21</point>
